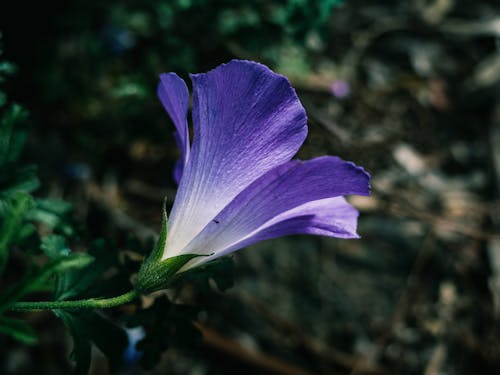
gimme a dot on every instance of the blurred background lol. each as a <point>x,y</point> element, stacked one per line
<point>408,89</point>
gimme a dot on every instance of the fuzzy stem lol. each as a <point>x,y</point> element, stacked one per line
<point>91,303</point>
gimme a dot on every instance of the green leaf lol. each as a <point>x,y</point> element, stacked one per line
<point>55,206</point>
<point>15,179</point>
<point>54,213</point>
<point>11,141</point>
<point>18,330</point>
<point>36,280</point>
<point>54,246</point>
<point>81,353</point>
<point>88,327</point>
<point>77,282</point>
<point>71,262</point>
<point>9,230</point>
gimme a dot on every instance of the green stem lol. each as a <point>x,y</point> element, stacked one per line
<point>91,303</point>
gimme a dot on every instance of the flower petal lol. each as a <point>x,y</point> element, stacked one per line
<point>247,120</point>
<point>293,194</point>
<point>174,96</point>
<point>332,217</point>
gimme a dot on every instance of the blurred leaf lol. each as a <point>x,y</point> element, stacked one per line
<point>88,327</point>
<point>36,279</point>
<point>55,206</point>
<point>18,330</point>
<point>11,141</point>
<point>94,280</point>
<point>54,246</point>
<point>54,213</point>
<point>73,261</point>
<point>16,179</point>
<point>6,68</point>
<point>77,281</point>
<point>12,223</point>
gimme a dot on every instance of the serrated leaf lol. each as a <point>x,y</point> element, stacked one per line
<point>88,327</point>
<point>18,330</point>
<point>73,283</point>
<point>53,213</point>
<point>36,280</point>
<point>76,282</point>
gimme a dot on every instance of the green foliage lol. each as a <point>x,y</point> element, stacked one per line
<point>54,213</point>
<point>36,279</point>
<point>54,246</point>
<point>16,181</point>
<point>19,211</point>
<point>91,280</point>
<point>40,233</point>
<point>256,27</point>
<point>100,76</point>
<point>13,228</point>
<point>89,327</point>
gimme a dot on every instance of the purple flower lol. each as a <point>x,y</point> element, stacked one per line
<point>237,182</point>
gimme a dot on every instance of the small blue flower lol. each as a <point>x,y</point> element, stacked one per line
<point>131,355</point>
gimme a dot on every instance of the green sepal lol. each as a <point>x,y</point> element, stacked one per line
<point>155,273</point>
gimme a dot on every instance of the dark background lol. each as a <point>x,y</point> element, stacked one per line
<point>418,294</point>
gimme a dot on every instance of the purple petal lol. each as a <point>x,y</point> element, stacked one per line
<point>296,197</point>
<point>174,96</point>
<point>332,217</point>
<point>247,120</point>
